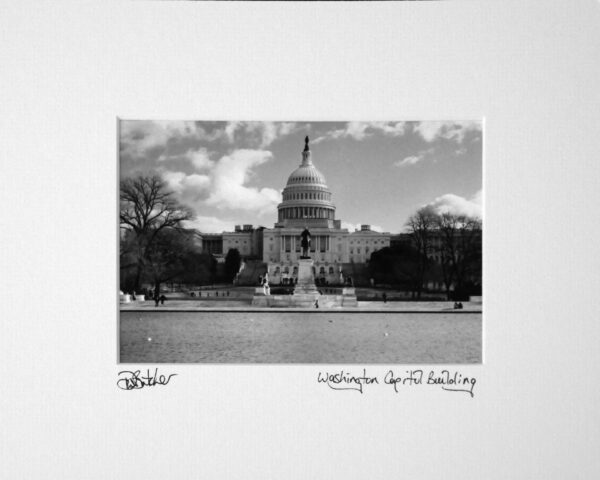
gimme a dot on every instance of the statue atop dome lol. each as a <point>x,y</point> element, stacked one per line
<point>306,148</point>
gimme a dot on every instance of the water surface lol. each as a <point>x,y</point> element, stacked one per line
<point>259,337</point>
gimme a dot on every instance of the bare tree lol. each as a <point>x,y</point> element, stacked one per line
<point>422,225</point>
<point>147,208</point>
<point>459,248</point>
<point>168,257</point>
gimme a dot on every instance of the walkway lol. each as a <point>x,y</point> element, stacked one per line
<point>224,305</point>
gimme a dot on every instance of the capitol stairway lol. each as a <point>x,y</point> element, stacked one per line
<point>251,272</point>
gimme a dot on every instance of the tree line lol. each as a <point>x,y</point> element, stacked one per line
<point>156,248</point>
<point>440,248</point>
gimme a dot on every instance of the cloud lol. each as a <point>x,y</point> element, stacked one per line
<point>457,205</point>
<point>413,159</point>
<point>257,134</point>
<point>361,130</point>
<point>356,226</point>
<point>230,130</point>
<point>174,180</point>
<point>478,198</point>
<point>198,175</point>
<point>272,131</point>
<point>229,178</point>
<point>166,141</point>
<point>197,182</point>
<point>408,161</point>
<point>190,188</point>
<point>207,224</point>
<point>223,184</point>
<point>429,131</point>
<point>393,129</point>
<point>456,131</point>
<point>138,137</point>
<point>199,158</point>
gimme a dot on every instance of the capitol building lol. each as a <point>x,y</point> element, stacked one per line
<point>308,203</point>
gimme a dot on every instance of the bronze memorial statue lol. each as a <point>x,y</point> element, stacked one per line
<point>305,243</point>
<point>306,149</point>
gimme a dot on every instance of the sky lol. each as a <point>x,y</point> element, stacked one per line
<point>380,173</point>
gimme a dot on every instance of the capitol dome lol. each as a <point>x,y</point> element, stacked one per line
<point>306,197</point>
<point>307,174</point>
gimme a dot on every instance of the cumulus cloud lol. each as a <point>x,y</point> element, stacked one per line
<point>174,180</point>
<point>207,224</point>
<point>456,131</point>
<point>356,226</point>
<point>478,198</point>
<point>457,205</point>
<point>196,181</point>
<point>200,158</point>
<point>229,178</point>
<point>223,183</point>
<point>202,174</point>
<point>190,188</point>
<point>361,130</point>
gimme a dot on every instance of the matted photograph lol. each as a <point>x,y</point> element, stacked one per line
<point>245,240</point>
<point>300,242</point>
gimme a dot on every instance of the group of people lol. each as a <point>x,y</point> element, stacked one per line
<point>158,299</point>
<point>223,294</point>
<point>458,305</point>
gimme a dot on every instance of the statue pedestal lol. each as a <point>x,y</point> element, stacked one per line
<point>305,291</point>
<point>306,278</point>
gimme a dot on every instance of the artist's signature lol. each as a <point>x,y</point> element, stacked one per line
<point>447,380</point>
<point>134,380</point>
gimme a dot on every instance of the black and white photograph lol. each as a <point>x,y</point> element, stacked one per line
<point>300,242</point>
